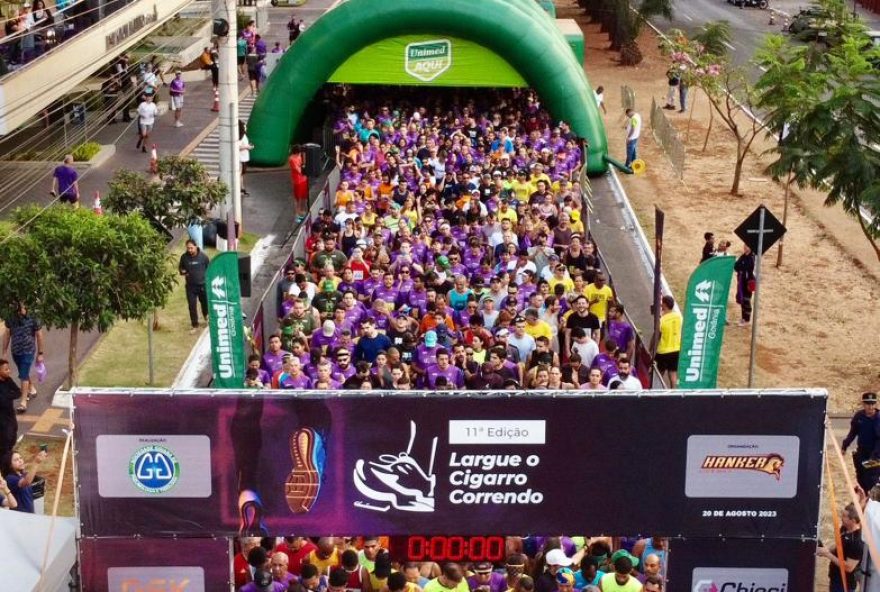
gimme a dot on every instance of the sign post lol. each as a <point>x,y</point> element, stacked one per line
<point>752,231</point>
<point>224,321</point>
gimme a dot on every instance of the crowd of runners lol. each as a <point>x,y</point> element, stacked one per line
<point>456,257</point>
<point>531,564</point>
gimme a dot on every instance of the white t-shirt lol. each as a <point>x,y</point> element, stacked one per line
<point>586,350</point>
<point>525,345</point>
<point>634,127</point>
<point>630,383</point>
<point>243,151</point>
<point>147,111</point>
<point>600,98</point>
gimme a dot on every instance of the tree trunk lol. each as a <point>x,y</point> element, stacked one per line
<point>784,219</point>
<point>867,234</point>
<point>709,130</point>
<point>687,137</point>
<point>155,320</point>
<point>737,171</point>
<point>71,355</point>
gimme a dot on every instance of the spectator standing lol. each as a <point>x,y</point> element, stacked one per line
<point>851,539</point>
<point>633,131</point>
<point>673,80</point>
<point>65,182</point>
<point>669,343</point>
<point>147,112</point>
<point>177,89</point>
<point>24,336</point>
<point>864,428</point>
<point>194,266</point>
<point>299,181</point>
<point>20,481</point>
<point>708,246</point>
<point>600,98</point>
<point>7,499</point>
<point>9,392</point>
<point>745,284</point>
<point>126,90</point>
<point>244,152</point>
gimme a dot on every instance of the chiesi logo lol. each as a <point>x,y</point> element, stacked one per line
<point>404,483</point>
<point>706,316</point>
<point>426,60</point>
<point>721,579</point>
<point>154,469</point>
<point>767,463</point>
<point>224,339</point>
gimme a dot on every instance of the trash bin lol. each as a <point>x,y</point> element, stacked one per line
<point>38,487</point>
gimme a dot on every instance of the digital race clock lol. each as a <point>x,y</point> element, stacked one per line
<point>447,548</point>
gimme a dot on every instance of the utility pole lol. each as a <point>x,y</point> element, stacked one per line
<point>230,167</point>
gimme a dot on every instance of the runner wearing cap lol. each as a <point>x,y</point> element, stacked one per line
<point>864,428</point>
<point>554,560</point>
<point>622,579</point>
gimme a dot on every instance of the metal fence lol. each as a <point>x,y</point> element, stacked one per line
<point>667,137</point>
<point>627,98</point>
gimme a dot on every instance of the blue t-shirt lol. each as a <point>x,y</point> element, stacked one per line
<point>368,348</point>
<point>581,582</point>
<point>24,496</point>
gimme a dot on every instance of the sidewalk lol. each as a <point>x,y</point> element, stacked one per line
<point>268,211</point>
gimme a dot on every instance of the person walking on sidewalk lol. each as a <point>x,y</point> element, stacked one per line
<point>65,182</point>
<point>147,112</point>
<point>194,266</point>
<point>299,181</point>
<point>244,152</point>
<point>176,89</point>
<point>633,131</point>
<point>24,337</point>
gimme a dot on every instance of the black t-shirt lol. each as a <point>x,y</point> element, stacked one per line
<point>590,321</point>
<point>396,337</point>
<point>852,549</point>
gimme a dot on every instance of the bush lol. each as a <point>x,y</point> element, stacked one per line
<point>85,151</point>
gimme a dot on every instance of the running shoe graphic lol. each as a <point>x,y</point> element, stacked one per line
<point>397,482</point>
<point>304,481</point>
<point>250,509</point>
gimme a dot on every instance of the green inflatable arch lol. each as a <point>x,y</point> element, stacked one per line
<point>518,30</point>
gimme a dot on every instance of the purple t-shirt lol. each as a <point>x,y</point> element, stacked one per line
<point>272,362</point>
<point>321,340</point>
<point>497,582</point>
<point>288,381</point>
<point>66,177</point>
<point>425,356</point>
<point>453,375</point>
<point>340,375</point>
<point>176,86</point>
<point>621,332</point>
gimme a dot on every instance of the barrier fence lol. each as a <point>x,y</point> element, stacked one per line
<point>667,137</point>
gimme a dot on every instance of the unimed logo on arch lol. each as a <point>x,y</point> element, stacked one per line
<point>739,579</point>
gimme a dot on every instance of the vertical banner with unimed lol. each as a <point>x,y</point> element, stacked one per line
<point>133,564</point>
<point>705,313</point>
<point>224,319</point>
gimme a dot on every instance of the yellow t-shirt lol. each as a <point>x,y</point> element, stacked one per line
<point>510,214</point>
<point>540,329</point>
<point>522,189</point>
<point>670,333</point>
<point>565,281</point>
<point>599,299</point>
<point>324,565</point>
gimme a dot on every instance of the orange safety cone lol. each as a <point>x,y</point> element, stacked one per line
<point>154,161</point>
<point>96,207</point>
<point>216,106</point>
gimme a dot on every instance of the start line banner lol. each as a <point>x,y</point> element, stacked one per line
<point>743,463</point>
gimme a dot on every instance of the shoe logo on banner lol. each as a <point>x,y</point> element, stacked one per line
<point>154,469</point>
<point>398,482</point>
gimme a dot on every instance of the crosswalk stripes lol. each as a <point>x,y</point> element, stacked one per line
<point>208,150</point>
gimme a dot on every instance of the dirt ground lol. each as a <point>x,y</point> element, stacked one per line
<point>818,321</point>
<point>817,317</point>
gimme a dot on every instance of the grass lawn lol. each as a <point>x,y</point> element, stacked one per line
<point>120,359</point>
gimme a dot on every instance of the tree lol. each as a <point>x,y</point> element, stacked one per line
<point>731,95</point>
<point>714,36</point>
<point>183,193</point>
<point>82,271</point>
<point>829,101</point>
<point>623,24</point>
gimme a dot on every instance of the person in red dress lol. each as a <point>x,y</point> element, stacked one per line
<point>299,181</point>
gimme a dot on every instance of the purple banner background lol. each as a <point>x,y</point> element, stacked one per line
<point>98,556</point>
<point>612,464</point>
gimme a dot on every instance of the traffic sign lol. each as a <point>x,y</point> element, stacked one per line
<point>750,230</point>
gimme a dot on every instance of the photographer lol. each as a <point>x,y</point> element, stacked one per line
<point>20,481</point>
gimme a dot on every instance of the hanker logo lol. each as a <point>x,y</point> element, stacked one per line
<point>769,463</point>
<point>728,579</point>
<point>154,469</point>
<point>397,482</point>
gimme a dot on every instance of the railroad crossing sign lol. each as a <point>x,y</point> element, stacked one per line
<point>750,230</point>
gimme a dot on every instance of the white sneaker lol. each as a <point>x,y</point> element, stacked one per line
<point>178,124</point>
<point>742,323</point>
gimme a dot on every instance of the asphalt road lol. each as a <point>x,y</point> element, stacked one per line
<point>749,26</point>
